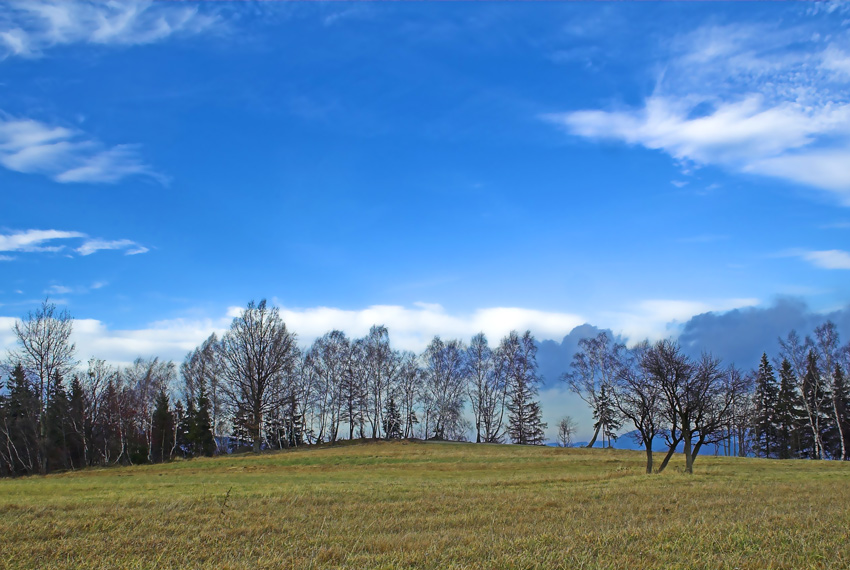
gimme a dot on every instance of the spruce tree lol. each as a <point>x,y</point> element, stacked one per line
<point>607,422</point>
<point>163,429</point>
<point>200,430</point>
<point>392,420</point>
<point>764,416</point>
<point>22,413</point>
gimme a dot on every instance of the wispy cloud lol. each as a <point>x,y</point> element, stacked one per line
<point>36,240</point>
<point>30,28</point>
<point>47,241</point>
<point>763,100</point>
<point>65,154</point>
<point>128,246</point>
<point>828,259</point>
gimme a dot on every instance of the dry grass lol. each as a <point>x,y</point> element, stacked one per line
<point>417,505</point>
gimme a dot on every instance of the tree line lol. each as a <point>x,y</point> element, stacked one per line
<point>254,388</point>
<point>796,405</point>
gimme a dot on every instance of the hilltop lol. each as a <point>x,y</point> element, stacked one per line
<point>431,505</point>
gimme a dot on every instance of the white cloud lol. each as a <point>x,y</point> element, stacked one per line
<point>409,328</point>
<point>413,328</point>
<point>6,258</point>
<point>66,155</point>
<point>828,259</point>
<point>46,241</point>
<point>659,318</point>
<point>29,28</point>
<point>130,247</point>
<point>753,99</point>
<point>33,240</point>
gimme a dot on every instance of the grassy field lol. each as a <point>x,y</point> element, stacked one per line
<point>429,505</point>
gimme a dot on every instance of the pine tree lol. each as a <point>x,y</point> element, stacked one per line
<point>21,429</point>
<point>392,420</point>
<point>294,423</point>
<point>815,396</point>
<point>200,429</point>
<point>79,426</point>
<point>607,423</point>
<point>840,393</point>
<point>55,442</point>
<point>764,417</point>
<point>162,429</point>
<point>525,423</point>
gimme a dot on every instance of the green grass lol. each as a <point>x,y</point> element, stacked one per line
<point>428,505</point>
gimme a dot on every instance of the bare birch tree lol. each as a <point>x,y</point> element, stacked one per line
<point>258,356</point>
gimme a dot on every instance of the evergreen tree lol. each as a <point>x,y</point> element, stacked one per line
<point>294,423</point>
<point>789,419</point>
<point>55,442</point>
<point>200,430</point>
<point>392,420</point>
<point>525,423</point>
<point>20,430</point>
<point>162,429</point>
<point>607,422</point>
<point>815,397</point>
<point>764,423</point>
<point>840,393</point>
<point>79,426</point>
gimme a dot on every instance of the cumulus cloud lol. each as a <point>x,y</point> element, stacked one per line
<point>655,319</point>
<point>740,336</point>
<point>751,99</point>
<point>46,241</point>
<point>30,28</point>
<point>412,328</point>
<point>65,154</point>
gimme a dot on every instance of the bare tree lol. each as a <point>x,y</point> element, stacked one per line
<point>380,364</point>
<point>829,354</point>
<point>444,388</point>
<point>594,370</point>
<point>566,431</point>
<point>46,353</point>
<point>411,380</point>
<point>638,398</point>
<point>201,368</point>
<point>147,378</point>
<point>796,351</point>
<point>487,389</point>
<point>258,356</point>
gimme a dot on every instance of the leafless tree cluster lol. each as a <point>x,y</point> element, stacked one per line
<point>254,388</point>
<point>658,390</point>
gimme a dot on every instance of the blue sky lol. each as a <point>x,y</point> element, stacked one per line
<point>441,168</point>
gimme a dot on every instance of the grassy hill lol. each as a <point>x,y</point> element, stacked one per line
<point>431,505</point>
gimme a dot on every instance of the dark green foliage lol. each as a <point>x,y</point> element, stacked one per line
<point>766,399</point>
<point>200,433</point>
<point>20,441</point>
<point>605,414</point>
<point>162,430</point>
<point>392,424</point>
<point>790,418</point>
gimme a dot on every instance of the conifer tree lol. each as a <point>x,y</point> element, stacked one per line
<point>764,418</point>
<point>200,428</point>
<point>162,426</point>
<point>607,422</point>
<point>525,423</point>
<point>392,420</point>
<point>789,418</point>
